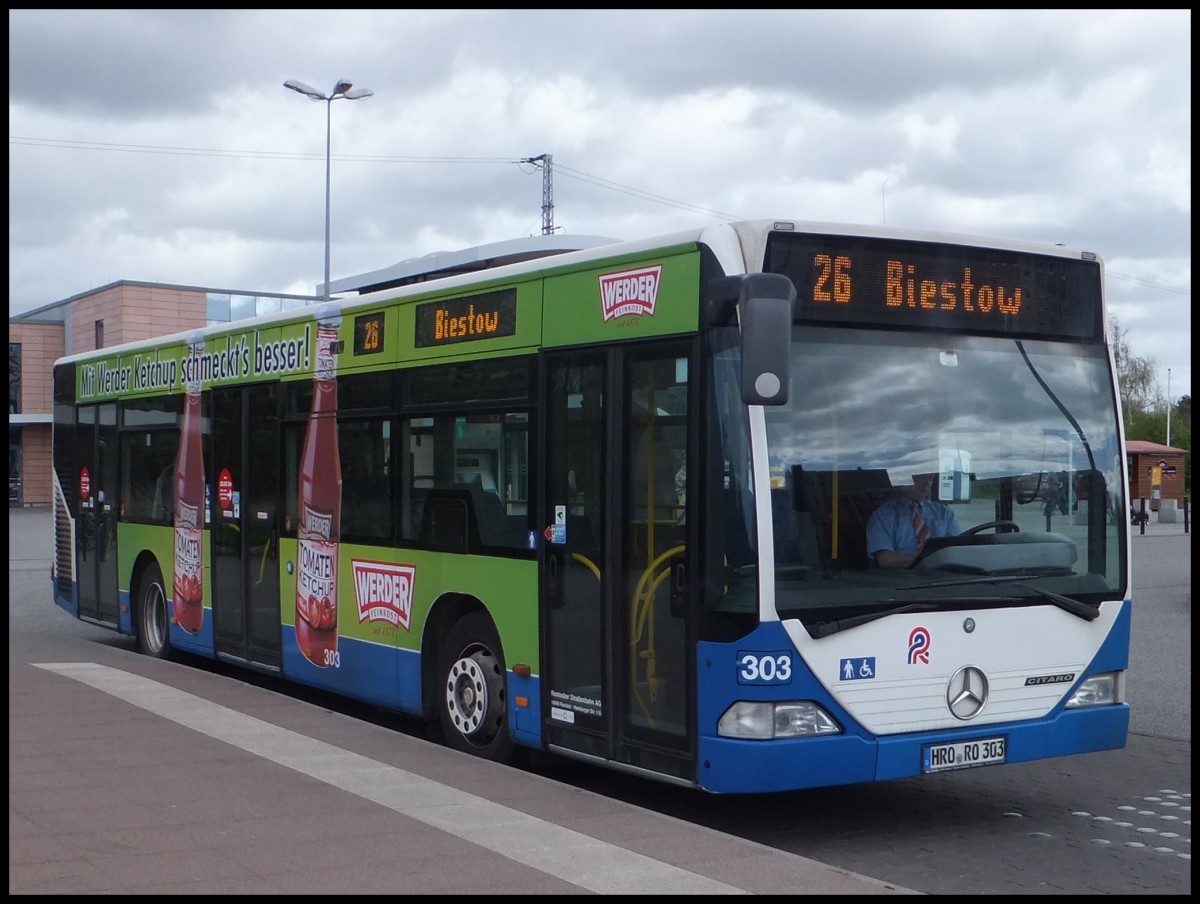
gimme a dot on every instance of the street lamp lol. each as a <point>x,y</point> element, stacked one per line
<point>343,90</point>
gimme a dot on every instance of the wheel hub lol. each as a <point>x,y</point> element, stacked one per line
<point>472,693</point>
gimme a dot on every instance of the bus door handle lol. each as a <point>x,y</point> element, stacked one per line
<point>678,589</point>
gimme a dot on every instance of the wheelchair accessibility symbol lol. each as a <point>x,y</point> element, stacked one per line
<point>857,669</point>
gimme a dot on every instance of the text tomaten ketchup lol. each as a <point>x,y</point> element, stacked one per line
<point>188,586</point>
<point>320,510</point>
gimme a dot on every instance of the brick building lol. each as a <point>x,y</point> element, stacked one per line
<point>127,311</point>
<point>120,312</point>
<point>1153,466</point>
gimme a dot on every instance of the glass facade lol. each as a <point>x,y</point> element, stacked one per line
<point>218,308</point>
<point>221,307</point>
<point>243,306</point>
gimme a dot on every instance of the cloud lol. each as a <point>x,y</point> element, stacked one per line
<point>161,144</point>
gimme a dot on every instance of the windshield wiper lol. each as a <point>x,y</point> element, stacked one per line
<point>1066,603</point>
<point>1082,610</point>
<point>824,629</point>
<point>982,579</point>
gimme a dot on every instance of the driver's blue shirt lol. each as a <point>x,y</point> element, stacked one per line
<point>890,526</point>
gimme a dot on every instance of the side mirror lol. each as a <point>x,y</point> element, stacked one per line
<point>765,306</point>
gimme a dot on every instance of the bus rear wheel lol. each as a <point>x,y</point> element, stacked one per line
<point>473,690</point>
<point>153,618</point>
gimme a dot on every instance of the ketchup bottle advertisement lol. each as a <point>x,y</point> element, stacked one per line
<point>188,599</point>
<point>320,509</point>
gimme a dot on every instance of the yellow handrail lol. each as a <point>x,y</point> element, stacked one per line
<point>262,568</point>
<point>584,560</point>
<point>641,607</point>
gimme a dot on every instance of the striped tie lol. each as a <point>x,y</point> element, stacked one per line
<point>920,528</point>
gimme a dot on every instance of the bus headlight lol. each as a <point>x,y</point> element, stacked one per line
<point>763,721</point>
<point>1104,689</point>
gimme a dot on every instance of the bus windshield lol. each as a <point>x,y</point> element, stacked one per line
<point>1005,452</point>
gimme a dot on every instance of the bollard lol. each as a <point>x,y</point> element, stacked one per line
<point>1167,511</point>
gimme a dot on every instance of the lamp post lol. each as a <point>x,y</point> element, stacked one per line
<point>345,90</point>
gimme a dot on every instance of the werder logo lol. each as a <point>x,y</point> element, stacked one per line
<point>630,292</point>
<point>187,516</point>
<point>383,591</point>
<point>316,524</point>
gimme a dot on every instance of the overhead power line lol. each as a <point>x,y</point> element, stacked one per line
<point>1150,284</point>
<point>67,144</point>
<point>638,193</point>
<point>566,171</point>
<point>219,152</point>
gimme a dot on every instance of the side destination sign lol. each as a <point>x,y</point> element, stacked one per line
<point>466,319</point>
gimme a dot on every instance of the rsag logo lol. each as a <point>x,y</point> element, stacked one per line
<point>383,591</point>
<point>918,646</point>
<point>630,292</point>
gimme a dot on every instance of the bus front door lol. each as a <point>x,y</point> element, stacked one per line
<point>244,477</point>
<point>617,673</point>
<point>97,508</point>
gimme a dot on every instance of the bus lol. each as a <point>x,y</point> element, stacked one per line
<point>613,504</point>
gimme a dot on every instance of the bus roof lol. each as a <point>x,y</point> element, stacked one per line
<point>733,243</point>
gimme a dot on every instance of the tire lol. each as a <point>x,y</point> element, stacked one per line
<point>472,691</point>
<point>153,617</point>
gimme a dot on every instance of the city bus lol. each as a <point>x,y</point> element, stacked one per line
<point>613,505</point>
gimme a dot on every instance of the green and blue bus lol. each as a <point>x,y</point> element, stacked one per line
<point>613,504</point>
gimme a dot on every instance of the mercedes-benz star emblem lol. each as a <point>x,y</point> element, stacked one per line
<point>967,692</point>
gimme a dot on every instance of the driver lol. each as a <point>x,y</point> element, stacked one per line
<point>898,529</point>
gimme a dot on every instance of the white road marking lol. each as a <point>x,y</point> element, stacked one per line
<point>576,858</point>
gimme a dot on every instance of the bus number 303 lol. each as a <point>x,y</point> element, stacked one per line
<point>764,668</point>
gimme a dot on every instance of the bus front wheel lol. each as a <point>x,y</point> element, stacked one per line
<point>153,618</point>
<point>473,691</point>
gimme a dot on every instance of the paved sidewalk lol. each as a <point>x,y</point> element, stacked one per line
<point>130,775</point>
<point>134,775</point>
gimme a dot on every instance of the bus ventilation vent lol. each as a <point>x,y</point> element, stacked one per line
<point>64,544</point>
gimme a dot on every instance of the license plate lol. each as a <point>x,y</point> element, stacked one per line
<point>963,754</point>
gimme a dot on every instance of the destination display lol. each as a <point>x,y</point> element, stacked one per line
<point>368,334</point>
<point>931,285</point>
<point>467,319</point>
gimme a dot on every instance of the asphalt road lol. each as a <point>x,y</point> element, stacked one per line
<point>1111,823</point>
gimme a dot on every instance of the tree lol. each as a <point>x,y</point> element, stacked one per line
<point>1135,376</point>
<point>1143,406</point>
<point>1181,436</point>
<point>1184,407</point>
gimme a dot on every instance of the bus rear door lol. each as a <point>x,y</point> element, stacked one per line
<point>96,460</point>
<point>245,484</point>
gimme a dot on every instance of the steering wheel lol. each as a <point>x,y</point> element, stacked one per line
<point>1010,527</point>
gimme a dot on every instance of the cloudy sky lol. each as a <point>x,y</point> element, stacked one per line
<point>162,146</point>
